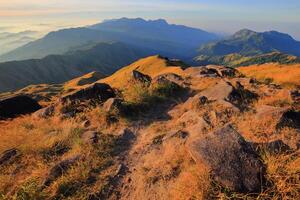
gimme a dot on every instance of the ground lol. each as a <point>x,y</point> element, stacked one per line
<point>142,151</point>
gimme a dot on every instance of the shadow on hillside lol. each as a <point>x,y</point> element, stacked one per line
<point>155,110</point>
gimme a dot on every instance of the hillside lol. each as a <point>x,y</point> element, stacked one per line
<point>249,43</point>
<point>236,60</point>
<point>286,75</point>
<point>156,36</point>
<point>156,129</point>
<point>104,57</point>
<point>152,66</point>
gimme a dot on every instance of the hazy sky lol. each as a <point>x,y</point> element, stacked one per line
<point>225,16</point>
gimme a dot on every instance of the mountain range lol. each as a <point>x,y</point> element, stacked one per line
<point>106,47</point>
<point>157,35</point>
<point>103,57</point>
<point>250,43</point>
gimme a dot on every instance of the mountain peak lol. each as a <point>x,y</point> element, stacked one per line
<point>244,33</point>
<point>136,21</point>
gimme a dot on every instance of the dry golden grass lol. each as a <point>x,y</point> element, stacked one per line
<point>152,66</point>
<point>159,162</point>
<point>82,81</point>
<point>40,142</point>
<point>286,75</point>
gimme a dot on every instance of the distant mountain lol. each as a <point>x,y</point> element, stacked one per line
<point>250,43</point>
<point>105,58</point>
<point>236,60</point>
<point>158,30</point>
<point>158,35</point>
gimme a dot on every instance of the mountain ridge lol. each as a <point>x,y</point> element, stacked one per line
<point>103,57</point>
<point>165,40</point>
<point>249,43</point>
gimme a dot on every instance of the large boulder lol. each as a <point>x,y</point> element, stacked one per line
<point>98,92</point>
<point>228,95</point>
<point>18,105</point>
<point>231,160</point>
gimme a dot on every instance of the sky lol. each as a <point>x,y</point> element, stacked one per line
<point>222,16</point>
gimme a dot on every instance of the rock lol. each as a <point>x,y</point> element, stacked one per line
<point>219,71</point>
<point>18,105</point>
<point>60,168</point>
<point>67,115</point>
<point>45,112</point>
<point>211,118</point>
<point>126,136</point>
<point>274,147</point>
<point>90,137</point>
<point>206,72</point>
<point>269,111</point>
<point>169,78</point>
<point>196,101</point>
<point>295,95</point>
<point>289,119</point>
<point>171,86</point>
<point>224,92</point>
<point>138,76</point>
<point>8,155</point>
<point>98,92</point>
<point>178,134</point>
<point>86,123</point>
<point>232,161</point>
<point>112,104</point>
<point>194,123</point>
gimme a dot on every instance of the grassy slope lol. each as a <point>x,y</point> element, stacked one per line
<point>287,75</point>
<point>152,66</point>
<point>171,175</point>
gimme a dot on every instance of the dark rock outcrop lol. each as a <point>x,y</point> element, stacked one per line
<point>18,105</point>
<point>98,92</point>
<point>295,95</point>
<point>219,71</point>
<point>8,155</point>
<point>45,112</point>
<point>59,169</point>
<point>168,78</point>
<point>289,119</point>
<point>232,161</point>
<point>138,76</point>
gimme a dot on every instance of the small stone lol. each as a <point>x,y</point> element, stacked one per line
<point>45,112</point>
<point>86,123</point>
<point>90,137</point>
<point>112,104</point>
